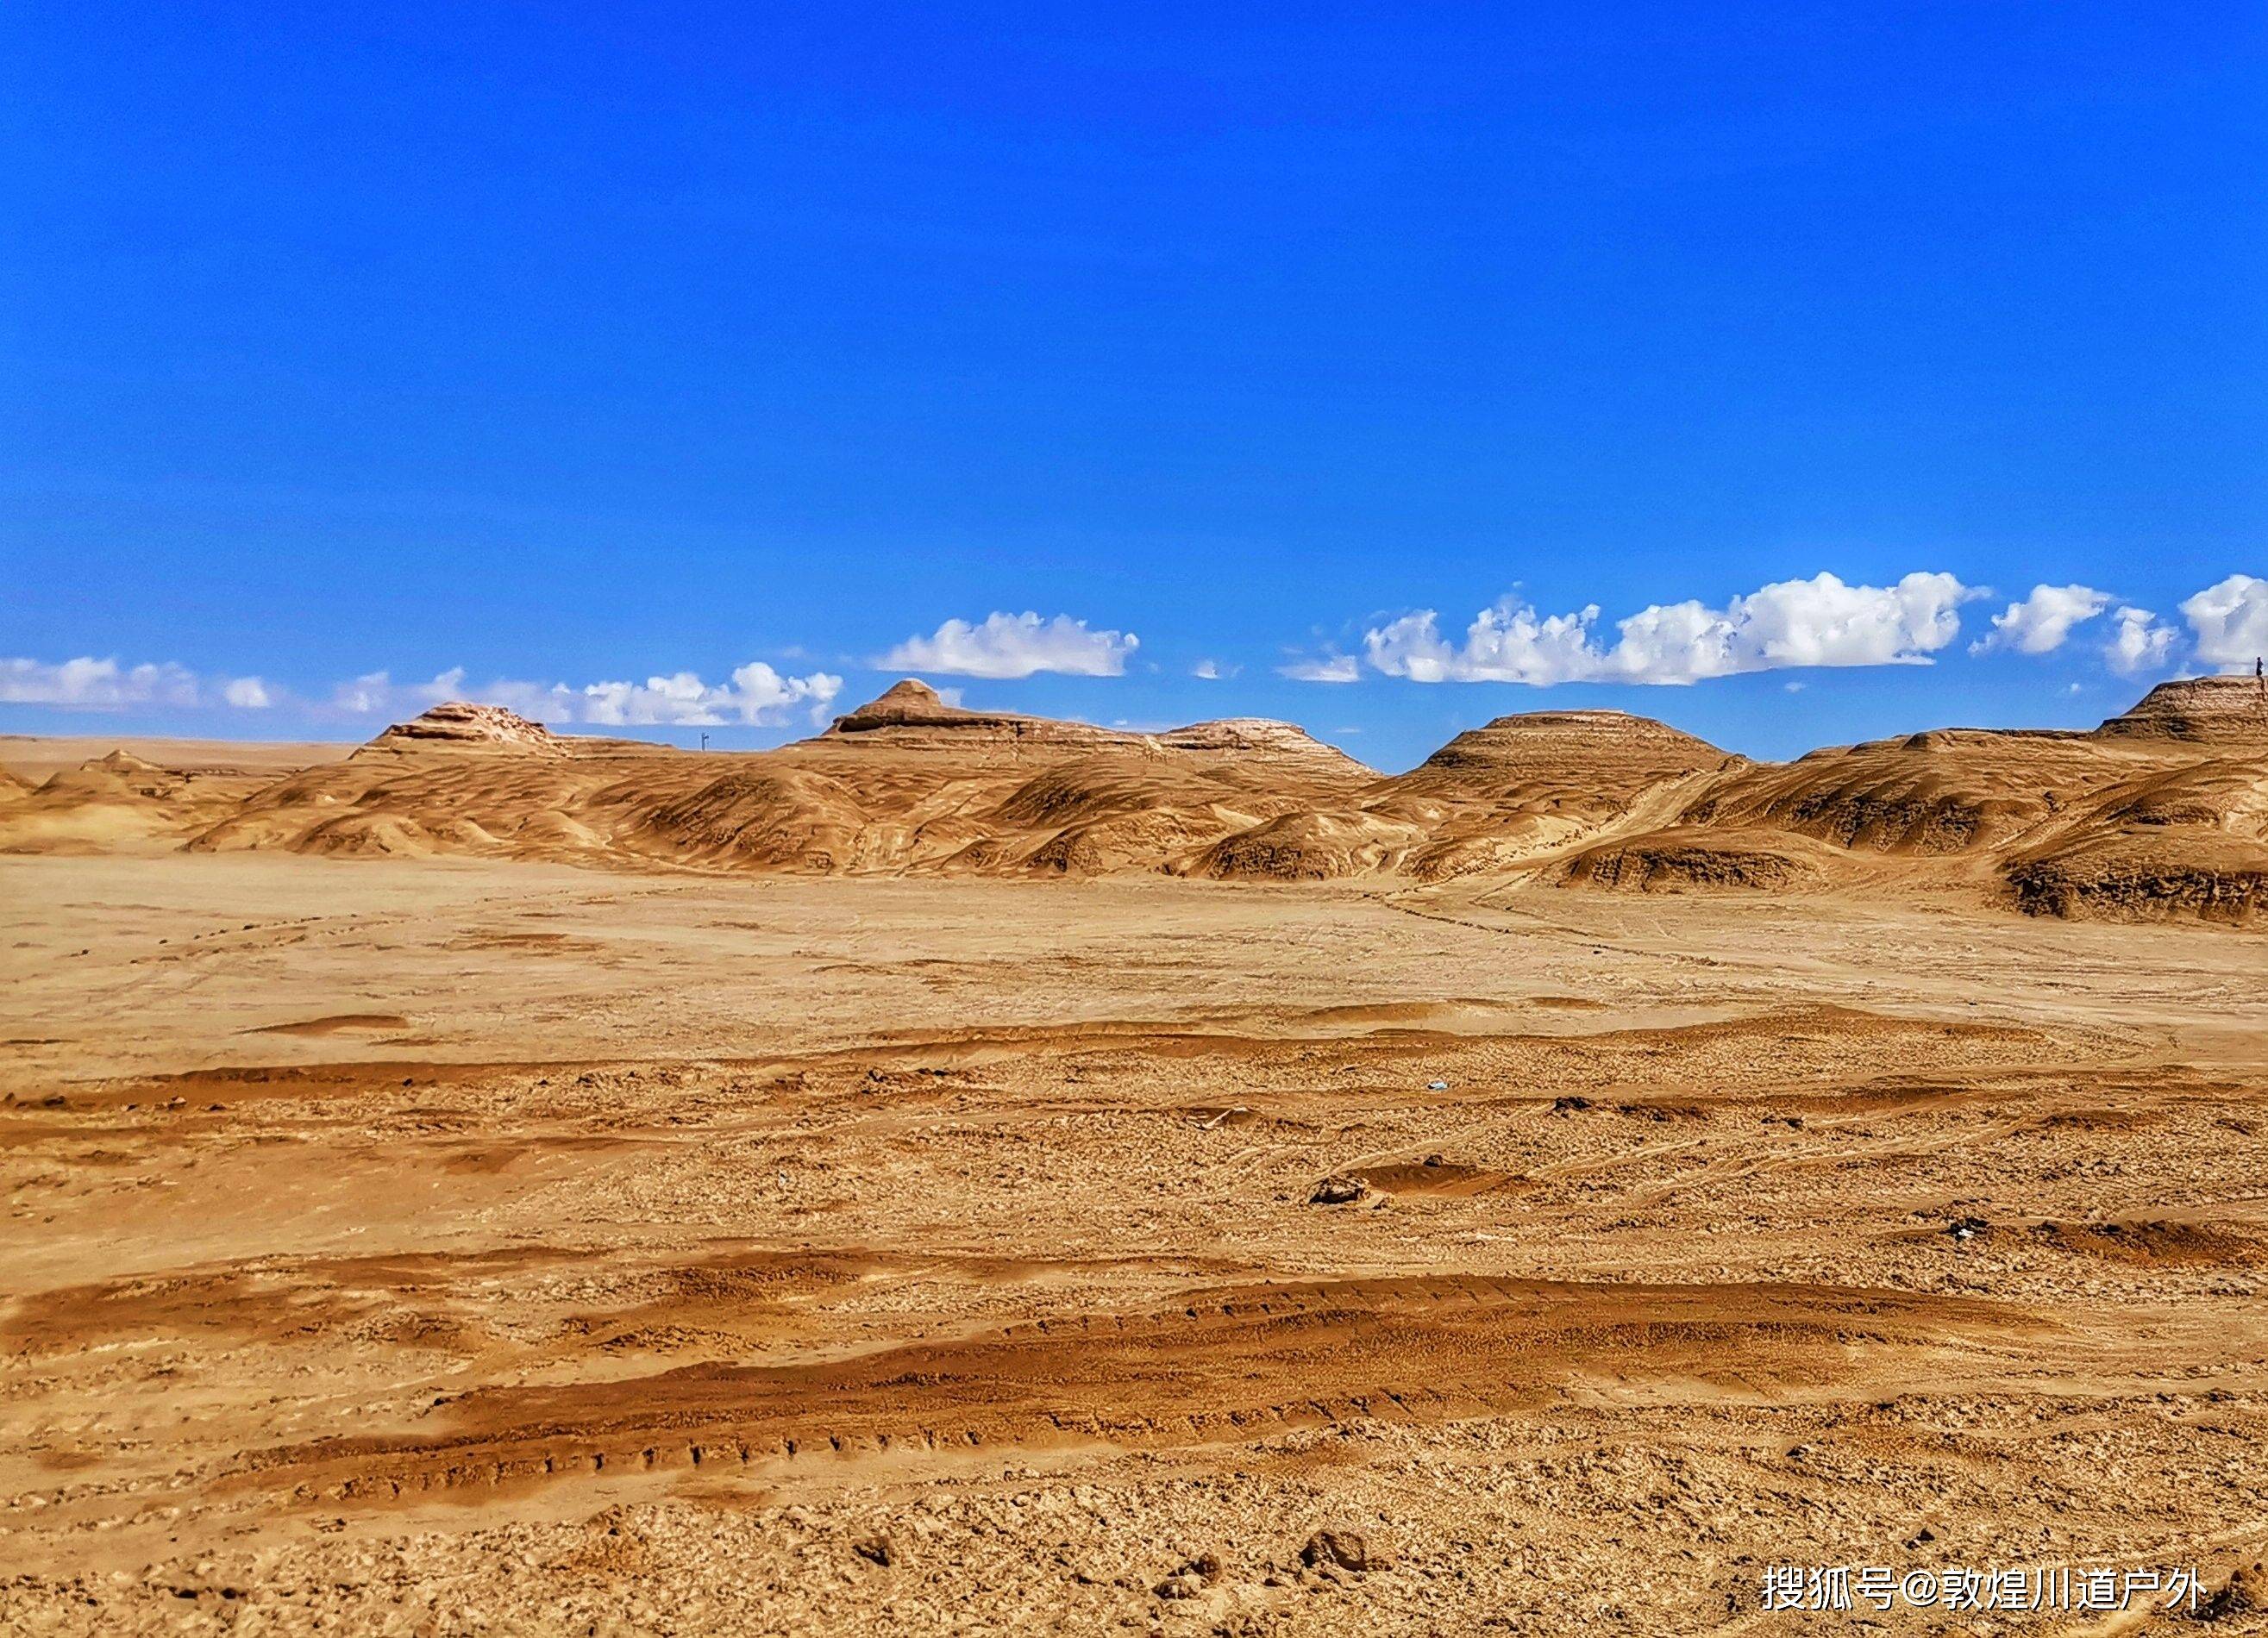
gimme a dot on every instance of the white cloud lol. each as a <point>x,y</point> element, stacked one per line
<point>366,693</point>
<point>448,685</point>
<point>2039,624</point>
<point>1330,668</point>
<point>1510,642</point>
<point>91,684</point>
<point>2138,642</point>
<point>553,702</point>
<point>1819,622</point>
<point>2230,620</point>
<point>756,697</point>
<point>1015,645</point>
<point>1214,670</point>
<point>1790,623</point>
<point>376,693</point>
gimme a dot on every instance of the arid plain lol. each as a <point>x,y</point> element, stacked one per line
<point>965,1173</point>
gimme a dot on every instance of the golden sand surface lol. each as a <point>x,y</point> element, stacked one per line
<point>462,1243</point>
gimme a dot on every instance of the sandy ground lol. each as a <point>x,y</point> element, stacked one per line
<point>434,1247</point>
<point>35,756</point>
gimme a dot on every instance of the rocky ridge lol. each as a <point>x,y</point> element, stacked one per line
<point>2161,812</point>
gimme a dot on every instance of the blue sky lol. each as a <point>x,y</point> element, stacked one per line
<point>536,350</point>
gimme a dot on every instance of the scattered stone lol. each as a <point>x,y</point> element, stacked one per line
<point>1437,1086</point>
<point>1191,1579</point>
<point>1966,1229</point>
<point>1342,1549</point>
<point>1336,1190</point>
<point>875,1549</point>
<point>2245,1592</point>
<point>1569,1104</point>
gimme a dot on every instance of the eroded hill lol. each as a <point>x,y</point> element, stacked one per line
<point>2160,812</point>
<point>2163,811</point>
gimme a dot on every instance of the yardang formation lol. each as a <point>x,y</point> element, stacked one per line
<point>2160,812</point>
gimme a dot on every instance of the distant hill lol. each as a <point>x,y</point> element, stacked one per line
<point>2161,812</point>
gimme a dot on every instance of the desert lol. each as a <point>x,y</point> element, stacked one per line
<point>822,821</point>
<point>967,1171</point>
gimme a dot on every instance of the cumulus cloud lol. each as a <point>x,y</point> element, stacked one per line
<point>376,693</point>
<point>1510,642</point>
<point>2138,642</point>
<point>1214,670</point>
<point>366,693</point>
<point>1015,645</point>
<point>87,684</point>
<point>2039,624</point>
<point>757,695</point>
<point>548,703</point>
<point>2230,620</point>
<point>1330,668</point>
<point>1790,623</point>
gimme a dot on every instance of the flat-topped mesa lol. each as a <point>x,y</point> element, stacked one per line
<point>458,724</point>
<point>2198,709</point>
<point>1259,737</point>
<point>911,713</point>
<point>1575,738</point>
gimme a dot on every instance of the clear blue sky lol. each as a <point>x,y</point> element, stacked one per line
<point>574,345</point>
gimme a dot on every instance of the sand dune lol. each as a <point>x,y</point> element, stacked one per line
<point>2160,812</point>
